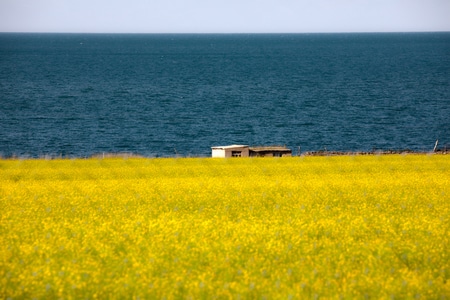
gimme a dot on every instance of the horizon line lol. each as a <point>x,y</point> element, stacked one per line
<point>220,33</point>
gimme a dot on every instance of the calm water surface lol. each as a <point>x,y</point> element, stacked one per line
<point>164,95</point>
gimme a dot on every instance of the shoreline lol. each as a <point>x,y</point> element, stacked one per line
<point>375,152</point>
<point>127,155</point>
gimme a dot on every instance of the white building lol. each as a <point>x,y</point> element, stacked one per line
<point>230,151</point>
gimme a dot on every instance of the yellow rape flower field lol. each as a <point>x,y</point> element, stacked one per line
<point>341,227</point>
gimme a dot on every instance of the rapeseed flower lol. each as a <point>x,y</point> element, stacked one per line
<point>302,227</point>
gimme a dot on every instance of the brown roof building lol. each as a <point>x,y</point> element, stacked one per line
<point>270,151</point>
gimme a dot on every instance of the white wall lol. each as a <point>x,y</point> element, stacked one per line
<point>218,152</point>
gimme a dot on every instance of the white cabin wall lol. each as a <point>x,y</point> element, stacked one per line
<point>218,152</point>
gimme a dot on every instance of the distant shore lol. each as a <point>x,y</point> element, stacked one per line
<point>374,152</point>
<point>126,155</point>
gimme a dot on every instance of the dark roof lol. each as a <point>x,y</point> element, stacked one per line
<point>270,148</point>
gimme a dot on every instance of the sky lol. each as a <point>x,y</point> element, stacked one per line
<point>223,16</point>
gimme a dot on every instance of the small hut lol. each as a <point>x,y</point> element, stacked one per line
<point>246,151</point>
<point>230,151</point>
<point>270,151</point>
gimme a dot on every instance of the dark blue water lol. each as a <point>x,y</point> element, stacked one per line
<point>161,95</point>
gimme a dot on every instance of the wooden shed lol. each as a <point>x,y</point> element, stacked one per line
<point>270,151</point>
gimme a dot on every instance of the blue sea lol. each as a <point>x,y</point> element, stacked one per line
<point>77,95</point>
